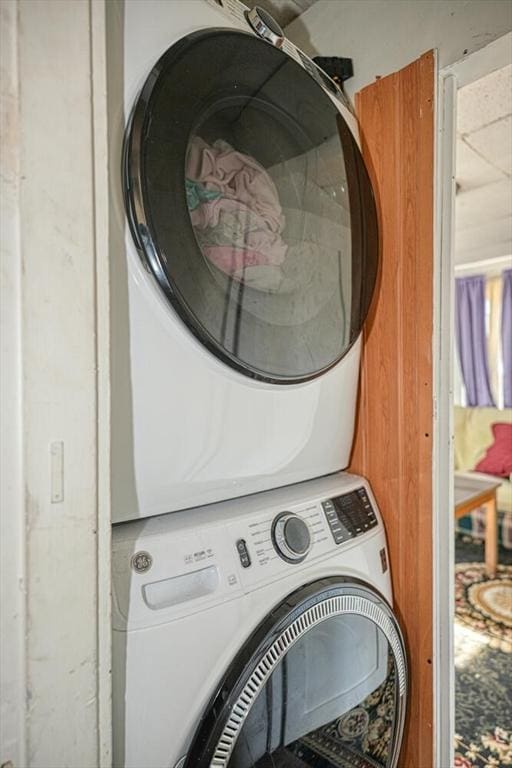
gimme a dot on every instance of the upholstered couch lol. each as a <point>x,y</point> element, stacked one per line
<point>473,436</point>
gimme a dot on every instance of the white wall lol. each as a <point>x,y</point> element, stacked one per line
<point>382,36</point>
<point>55,521</point>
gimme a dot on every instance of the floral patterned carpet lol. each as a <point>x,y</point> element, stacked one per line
<point>359,739</point>
<point>483,660</point>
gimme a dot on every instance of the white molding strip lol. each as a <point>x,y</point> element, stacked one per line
<point>443,592</point>
<point>101,246</point>
<point>12,499</point>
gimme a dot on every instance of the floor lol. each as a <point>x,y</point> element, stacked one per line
<point>483,661</point>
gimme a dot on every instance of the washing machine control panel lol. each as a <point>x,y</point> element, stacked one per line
<point>170,566</point>
<point>349,515</point>
<point>284,538</point>
<point>281,538</point>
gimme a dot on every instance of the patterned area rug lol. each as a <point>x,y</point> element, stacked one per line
<point>483,663</point>
<point>495,751</point>
<point>485,605</point>
<point>361,738</point>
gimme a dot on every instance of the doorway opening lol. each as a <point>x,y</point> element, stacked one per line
<point>474,494</point>
<point>482,419</point>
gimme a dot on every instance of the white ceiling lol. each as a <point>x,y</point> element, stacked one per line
<point>483,208</point>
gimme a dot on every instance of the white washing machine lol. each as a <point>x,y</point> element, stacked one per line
<point>258,632</point>
<point>245,265</point>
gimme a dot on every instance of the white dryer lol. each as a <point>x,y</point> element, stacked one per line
<point>245,266</point>
<point>258,633</point>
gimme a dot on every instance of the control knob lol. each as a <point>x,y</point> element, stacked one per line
<point>291,537</point>
<point>265,26</point>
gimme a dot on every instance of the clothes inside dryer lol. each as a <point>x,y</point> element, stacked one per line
<point>277,240</point>
<point>268,230</point>
<point>271,229</point>
<point>259,218</point>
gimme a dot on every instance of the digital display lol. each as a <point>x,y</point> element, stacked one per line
<point>349,515</point>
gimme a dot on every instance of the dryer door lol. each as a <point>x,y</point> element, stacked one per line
<point>321,683</point>
<point>250,204</point>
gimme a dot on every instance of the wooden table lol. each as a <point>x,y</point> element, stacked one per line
<point>474,491</point>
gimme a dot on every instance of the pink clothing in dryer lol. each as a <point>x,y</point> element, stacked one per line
<point>233,261</point>
<point>229,224</point>
<point>238,177</point>
<point>240,230</point>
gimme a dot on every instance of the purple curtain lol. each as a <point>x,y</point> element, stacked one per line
<point>471,340</point>
<point>506,337</point>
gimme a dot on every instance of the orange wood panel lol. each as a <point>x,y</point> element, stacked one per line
<point>393,445</point>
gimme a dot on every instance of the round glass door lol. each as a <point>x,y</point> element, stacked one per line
<point>326,687</point>
<point>249,201</point>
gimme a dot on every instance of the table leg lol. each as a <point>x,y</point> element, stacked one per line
<point>491,537</point>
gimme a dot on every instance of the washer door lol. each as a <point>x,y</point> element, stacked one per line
<point>322,682</point>
<point>249,201</point>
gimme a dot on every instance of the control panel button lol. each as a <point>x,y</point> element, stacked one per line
<point>265,26</point>
<point>291,537</point>
<point>243,553</point>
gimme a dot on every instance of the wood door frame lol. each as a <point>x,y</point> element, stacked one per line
<point>480,63</point>
<point>393,444</point>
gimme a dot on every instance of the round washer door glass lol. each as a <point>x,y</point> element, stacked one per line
<point>325,688</point>
<point>249,200</point>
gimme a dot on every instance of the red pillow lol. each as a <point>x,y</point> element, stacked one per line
<point>498,457</point>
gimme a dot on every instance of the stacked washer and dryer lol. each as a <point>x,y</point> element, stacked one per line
<point>252,598</point>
